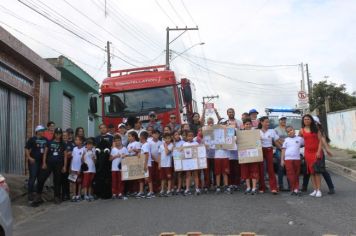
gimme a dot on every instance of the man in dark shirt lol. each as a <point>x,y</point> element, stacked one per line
<point>103,135</point>
<point>34,150</point>
<point>69,146</point>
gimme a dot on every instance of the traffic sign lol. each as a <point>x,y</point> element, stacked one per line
<point>303,101</point>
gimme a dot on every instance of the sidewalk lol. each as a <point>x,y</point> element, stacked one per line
<point>343,162</point>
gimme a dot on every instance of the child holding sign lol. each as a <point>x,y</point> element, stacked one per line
<point>178,142</point>
<point>146,153</point>
<point>118,152</point>
<point>165,164</point>
<point>249,171</point>
<point>75,168</point>
<point>190,142</point>
<point>89,159</point>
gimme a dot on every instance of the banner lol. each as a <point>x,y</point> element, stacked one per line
<point>249,146</point>
<point>220,136</point>
<point>132,167</point>
<point>190,158</point>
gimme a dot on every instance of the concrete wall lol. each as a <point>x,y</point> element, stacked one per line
<point>342,128</point>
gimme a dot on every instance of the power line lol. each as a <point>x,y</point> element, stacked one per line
<point>165,13</point>
<point>70,30</point>
<point>190,15</point>
<point>175,11</point>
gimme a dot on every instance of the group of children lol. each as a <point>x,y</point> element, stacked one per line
<point>162,180</point>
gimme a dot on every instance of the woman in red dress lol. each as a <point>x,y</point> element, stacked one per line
<point>312,150</point>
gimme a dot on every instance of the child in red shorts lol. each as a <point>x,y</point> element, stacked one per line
<point>165,164</point>
<point>89,159</point>
<point>250,171</point>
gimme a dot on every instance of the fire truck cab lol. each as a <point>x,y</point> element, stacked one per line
<point>136,92</point>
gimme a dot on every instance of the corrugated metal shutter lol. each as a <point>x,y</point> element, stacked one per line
<point>13,131</point>
<point>67,112</point>
<point>17,134</point>
<point>4,95</point>
<point>91,126</point>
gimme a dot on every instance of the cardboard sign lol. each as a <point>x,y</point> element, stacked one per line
<point>132,167</point>
<point>249,146</point>
<point>190,158</point>
<point>220,136</point>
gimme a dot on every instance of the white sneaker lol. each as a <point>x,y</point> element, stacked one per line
<point>313,194</point>
<point>318,194</point>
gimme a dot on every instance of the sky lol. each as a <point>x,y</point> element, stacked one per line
<point>251,54</point>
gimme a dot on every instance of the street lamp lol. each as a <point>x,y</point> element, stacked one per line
<point>201,43</point>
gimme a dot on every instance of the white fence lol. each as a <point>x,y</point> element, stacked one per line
<point>342,128</point>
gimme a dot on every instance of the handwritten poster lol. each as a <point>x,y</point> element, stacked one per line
<point>250,148</point>
<point>190,158</point>
<point>132,167</point>
<point>220,137</point>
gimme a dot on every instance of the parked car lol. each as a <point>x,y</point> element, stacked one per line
<point>5,209</point>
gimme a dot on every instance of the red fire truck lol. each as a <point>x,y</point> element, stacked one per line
<point>137,91</point>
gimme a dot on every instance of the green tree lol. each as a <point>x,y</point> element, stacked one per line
<point>338,97</point>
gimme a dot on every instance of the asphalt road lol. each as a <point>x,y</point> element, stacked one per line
<point>215,214</point>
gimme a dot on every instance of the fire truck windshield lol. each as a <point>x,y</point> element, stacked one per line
<point>139,102</point>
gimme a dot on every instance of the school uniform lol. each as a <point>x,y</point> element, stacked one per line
<point>35,145</point>
<point>189,144</point>
<point>267,139</point>
<point>132,185</point>
<point>154,146</point>
<point>117,185</point>
<point>235,169</point>
<point>166,162</point>
<point>88,175</point>
<point>221,162</point>
<point>209,172</point>
<point>292,147</point>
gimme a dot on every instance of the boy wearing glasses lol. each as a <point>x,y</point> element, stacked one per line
<point>153,122</point>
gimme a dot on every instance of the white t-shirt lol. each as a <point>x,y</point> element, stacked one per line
<point>221,153</point>
<point>89,156</point>
<point>77,154</point>
<point>188,144</point>
<point>114,152</point>
<point>166,160</point>
<point>292,146</point>
<point>268,137</point>
<point>155,148</point>
<point>179,143</point>
<point>133,145</point>
<point>145,148</point>
<point>124,139</point>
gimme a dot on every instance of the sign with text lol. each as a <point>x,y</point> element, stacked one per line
<point>220,136</point>
<point>190,158</point>
<point>132,167</point>
<point>249,146</point>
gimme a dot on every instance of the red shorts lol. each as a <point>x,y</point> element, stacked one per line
<point>87,179</point>
<point>221,166</point>
<point>165,173</point>
<point>250,170</point>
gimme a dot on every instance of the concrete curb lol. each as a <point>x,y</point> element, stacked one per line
<point>342,170</point>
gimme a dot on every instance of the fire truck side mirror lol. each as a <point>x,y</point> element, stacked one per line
<point>93,105</point>
<point>187,94</point>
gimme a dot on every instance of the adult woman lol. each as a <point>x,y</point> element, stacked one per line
<point>312,150</point>
<point>79,131</point>
<point>196,123</point>
<point>268,136</point>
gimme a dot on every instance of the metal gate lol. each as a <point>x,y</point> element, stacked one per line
<point>12,131</point>
<point>67,112</point>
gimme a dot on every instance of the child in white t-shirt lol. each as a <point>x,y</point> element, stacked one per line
<point>165,164</point>
<point>89,159</point>
<point>118,152</point>
<point>75,164</point>
<point>178,142</point>
<point>155,143</point>
<point>146,153</point>
<point>188,143</point>
<point>134,149</point>
<point>291,159</point>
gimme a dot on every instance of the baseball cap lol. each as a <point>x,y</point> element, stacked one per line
<point>152,113</point>
<point>70,130</point>
<point>282,117</point>
<point>316,119</point>
<point>58,131</point>
<point>121,125</point>
<point>253,111</point>
<point>40,128</point>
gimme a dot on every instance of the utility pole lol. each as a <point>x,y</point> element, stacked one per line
<point>108,64</point>
<point>303,82</point>
<point>310,92</point>
<point>209,98</point>
<point>169,42</point>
